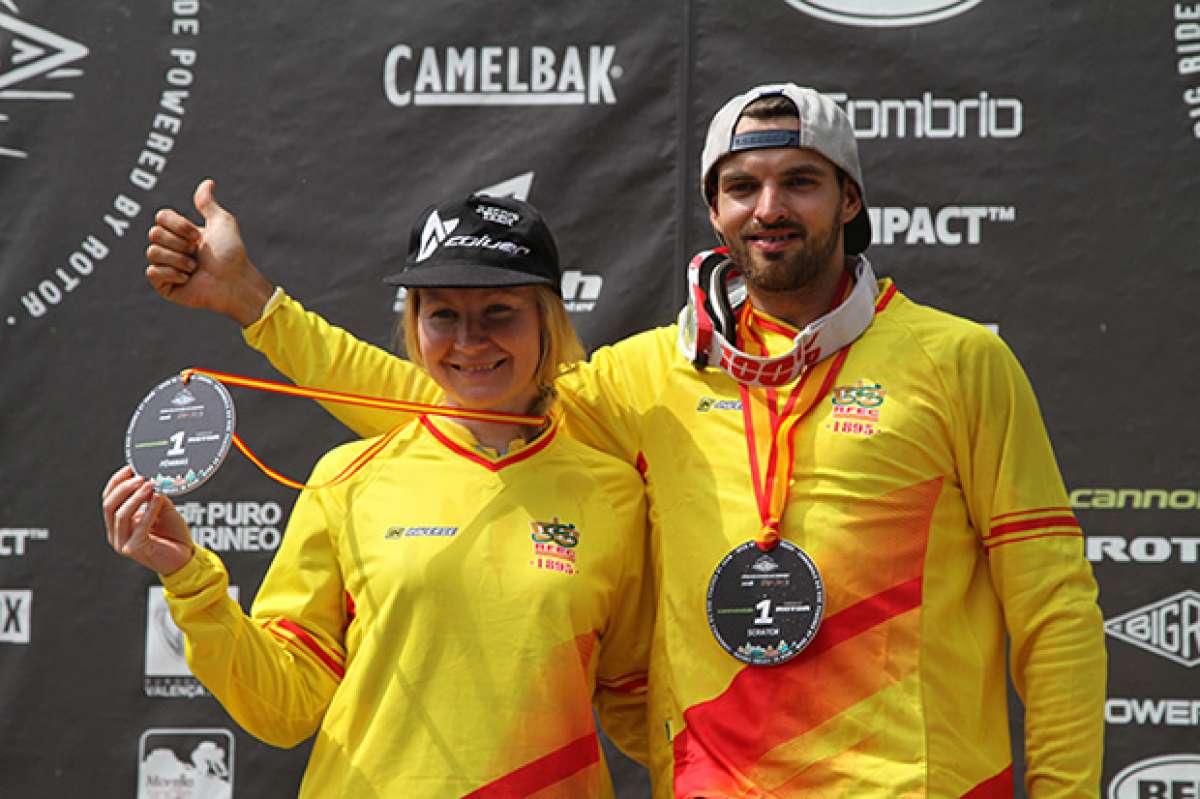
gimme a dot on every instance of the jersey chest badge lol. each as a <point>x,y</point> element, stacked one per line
<point>554,547</point>
<point>856,409</point>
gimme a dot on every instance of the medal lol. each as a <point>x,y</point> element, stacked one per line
<point>765,607</point>
<point>766,598</point>
<point>180,433</point>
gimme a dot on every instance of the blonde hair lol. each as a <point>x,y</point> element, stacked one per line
<point>560,351</point>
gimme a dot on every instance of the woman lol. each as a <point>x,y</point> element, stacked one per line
<point>442,619</point>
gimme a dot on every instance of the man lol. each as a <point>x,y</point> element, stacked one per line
<point>805,429</point>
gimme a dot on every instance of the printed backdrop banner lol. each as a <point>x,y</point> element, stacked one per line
<point>1033,166</point>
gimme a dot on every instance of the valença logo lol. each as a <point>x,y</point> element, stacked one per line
<point>883,13</point>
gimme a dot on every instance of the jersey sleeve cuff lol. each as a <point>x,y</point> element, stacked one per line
<point>251,331</point>
<point>202,572</point>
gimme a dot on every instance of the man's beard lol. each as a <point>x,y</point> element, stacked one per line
<point>787,271</point>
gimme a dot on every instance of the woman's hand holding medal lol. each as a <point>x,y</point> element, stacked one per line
<point>143,525</point>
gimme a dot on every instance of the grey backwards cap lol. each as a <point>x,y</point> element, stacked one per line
<point>823,127</point>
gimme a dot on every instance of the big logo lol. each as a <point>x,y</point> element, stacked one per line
<point>490,75</point>
<point>883,13</point>
<point>1169,628</point>
<point>37,65</point>
<point>29,57</point>
<point>1166,776</point>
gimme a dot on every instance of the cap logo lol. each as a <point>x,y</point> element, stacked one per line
<point>486,242</point>
<point>498,216</point>
<point>436,231</point>
<point>759,139</point>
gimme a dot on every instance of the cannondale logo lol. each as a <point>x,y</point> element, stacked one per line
<point>31,56</point>
<point>883,13</point>
<point>436,231</point>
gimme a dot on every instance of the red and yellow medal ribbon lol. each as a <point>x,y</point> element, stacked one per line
<point>771,489</point>
<point>324,395</point>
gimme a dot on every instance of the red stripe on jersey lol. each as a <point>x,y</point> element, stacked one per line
<point>761,320</point>
<point>784,328</point>
<point>543,772</point>
<point>492,466</point>
<point>745,719</point>
<point>311,644</point>
<point>885,298</point>
<point>1030,512</point>
<point>351,609</point>
<point>727,738</point>
<point>1032,524</point>
<point>642,465</point>
<point>997,787</point>
<point>1058,534</point>
<point>585,644</point>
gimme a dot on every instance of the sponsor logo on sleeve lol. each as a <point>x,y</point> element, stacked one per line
<point>1169,628</point>
<point>1162,777</point>
<point>185,763</point>
<point>167,673</point>
<point>495,76</point>
<point>16,616</point>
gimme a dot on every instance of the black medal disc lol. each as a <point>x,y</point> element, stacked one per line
<point>180,433</point>
<point>764,608</point>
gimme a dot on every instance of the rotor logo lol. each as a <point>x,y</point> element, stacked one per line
<point>883,13</point>
<point>29,57</point>
<point>436,231</point>
<point>1169,628</point>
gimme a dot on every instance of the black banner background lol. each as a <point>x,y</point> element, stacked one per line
<point>1083,251</point>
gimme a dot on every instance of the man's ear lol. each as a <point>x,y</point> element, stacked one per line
<point>851,200</point>
<point>712,220</point>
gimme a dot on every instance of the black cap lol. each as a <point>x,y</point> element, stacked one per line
<point>482,242</point>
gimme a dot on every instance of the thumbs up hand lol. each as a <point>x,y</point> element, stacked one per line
<point>205,267</point>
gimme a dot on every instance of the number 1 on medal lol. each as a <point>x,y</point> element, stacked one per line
<point>764,613</point>
<point>176,443</point>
